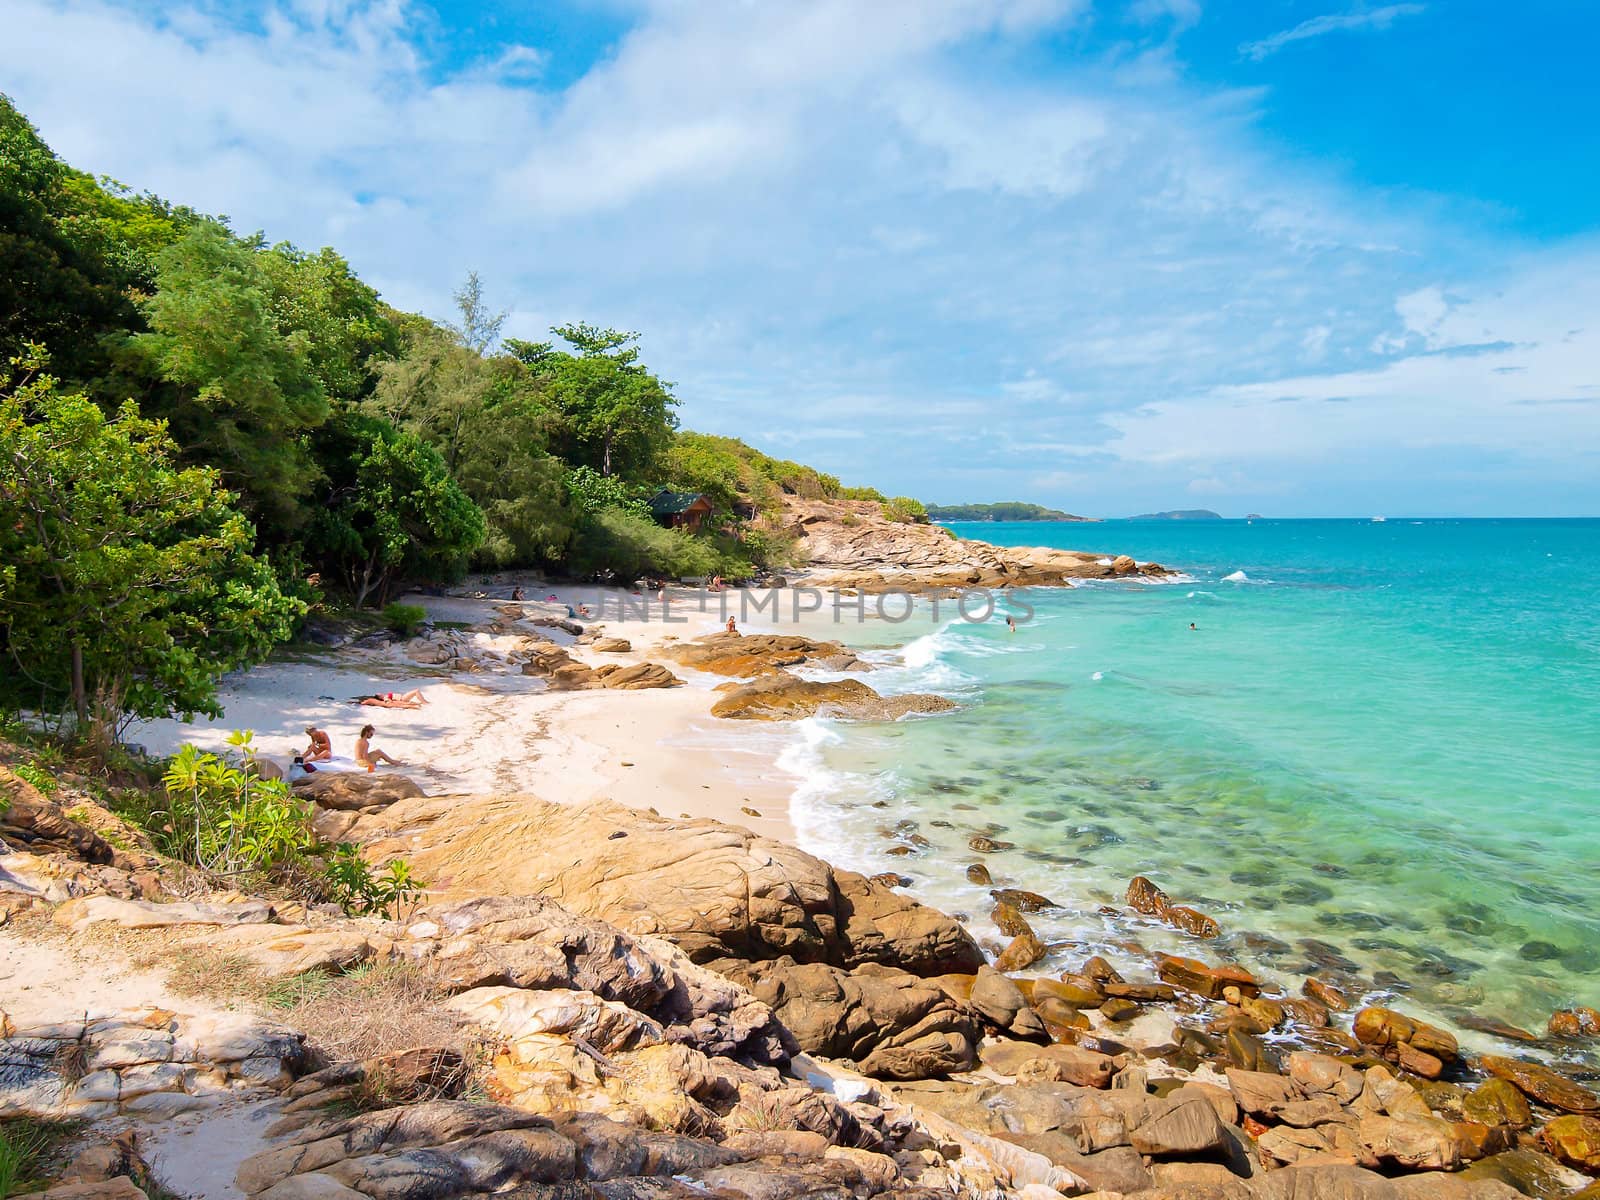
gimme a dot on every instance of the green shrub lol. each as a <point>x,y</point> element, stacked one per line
<point>905,510</point>
<point>226,818</point>
<point>358,891</point>
<point>404,619</point>
<point>38,776</point>
<point>629,545</point>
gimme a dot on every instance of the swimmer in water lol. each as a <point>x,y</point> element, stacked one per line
<point>1192,626</point>
<point>1011,624</point>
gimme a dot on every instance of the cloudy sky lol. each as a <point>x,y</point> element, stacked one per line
<point>1286,256</point>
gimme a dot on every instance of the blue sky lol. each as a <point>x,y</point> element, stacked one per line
<point>1299,257</point>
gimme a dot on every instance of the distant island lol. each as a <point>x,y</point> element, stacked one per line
<point>1178,514</point>
<point>1008,510</point>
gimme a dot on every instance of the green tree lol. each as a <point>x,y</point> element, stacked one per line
<point>390,509</point>
<point>480,326</point>
<point>127,585</point>
<point>619,415</point>
<point>57,286</point>
<point>344,329</point>
<point>242,392</point>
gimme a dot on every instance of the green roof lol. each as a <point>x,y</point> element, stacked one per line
<point>666,504</point>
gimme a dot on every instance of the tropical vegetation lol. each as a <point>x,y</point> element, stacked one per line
<point>206,434</point>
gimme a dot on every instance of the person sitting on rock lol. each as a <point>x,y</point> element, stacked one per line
<point>733,626</point>
<point>369,758</point>
<point>321,747</point>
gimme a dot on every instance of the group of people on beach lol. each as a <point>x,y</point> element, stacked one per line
<point>367,756</point>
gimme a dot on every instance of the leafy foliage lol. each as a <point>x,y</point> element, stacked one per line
<point>358,891</point>
<point>227,819</point>
<point>391,509</point>
<point>241,391</point>
<point>905,510</point>
<point>404,619</point>
<point>122,576</point>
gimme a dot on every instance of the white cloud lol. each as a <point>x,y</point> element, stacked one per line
<point>1373,19</point>
<point>828,217</point>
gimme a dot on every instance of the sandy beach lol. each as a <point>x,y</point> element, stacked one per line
<point>496,730</point>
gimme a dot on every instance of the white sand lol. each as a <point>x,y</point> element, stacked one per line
<point>500,731</point>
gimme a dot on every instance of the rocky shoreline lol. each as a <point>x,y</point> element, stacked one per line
<point>844,544</point>
<point>680,1008</point>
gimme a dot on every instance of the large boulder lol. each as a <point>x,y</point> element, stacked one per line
<point>781,696</point>
<point>746,655</point>
<point>889,1023</point>
<point>355,791</point>
<point>715,890</point>
<point>1542,1084</point>
<point>530,942</point>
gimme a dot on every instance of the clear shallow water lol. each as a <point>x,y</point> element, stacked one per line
<point>1378,755</point>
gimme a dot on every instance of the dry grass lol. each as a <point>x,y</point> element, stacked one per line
<point>373,1010</point>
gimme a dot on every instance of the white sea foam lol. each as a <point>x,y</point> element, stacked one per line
<point>1098,675</point>
<point>1236,577</point>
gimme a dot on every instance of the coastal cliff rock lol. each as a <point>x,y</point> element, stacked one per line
<point>715,890</point>
<point>781,696</point>
<point>745,655</point>
<point>850,544</point>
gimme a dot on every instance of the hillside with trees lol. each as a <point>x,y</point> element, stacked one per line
<point>206,434</point>
<point>1007,510</point>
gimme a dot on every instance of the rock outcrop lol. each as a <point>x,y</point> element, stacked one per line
<point>850,544</point>
<point>715,890</point>
<point>780,696</point>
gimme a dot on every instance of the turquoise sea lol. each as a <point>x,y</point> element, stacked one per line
<point>1375,758</point>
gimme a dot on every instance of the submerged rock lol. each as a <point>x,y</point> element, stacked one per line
<point>1542,1084</point>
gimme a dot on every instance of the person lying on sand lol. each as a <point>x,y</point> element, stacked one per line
<point>369,758</point>
<point>321,747</point>
<point>412,699</point>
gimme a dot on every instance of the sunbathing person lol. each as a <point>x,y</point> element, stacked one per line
<point>369,758</point>
<point>321,747</point>
<point>412,699</point>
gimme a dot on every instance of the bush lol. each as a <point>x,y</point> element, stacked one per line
<point>38,776</point>
<point>628,545</point>
<point>358,891</point>
<point>905,510</point>
<point>404,619</point>
<point>225,818</point>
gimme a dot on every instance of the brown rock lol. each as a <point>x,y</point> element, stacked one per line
<point>1185,1127</point>
<point>988,845</point>
<point>1009,920</point>
<point>1144,993</point>
<point>979,874</point>
<point>1099,970</point>
<point>1326,994</point>
<point>611,645</point>
<point>1056,1064</point>
<point>1542,1084</point>
<point>716,890</point>
<point>29,819</point>
<point>1387,1029</point>
<point>1321,1073</point>
<point>1075,991</point>
<point>1408,1058</point>
<point>635,677</point>
<point>1023,952</point>
<point>1416,1142</point>
<point>1195,976</point>
<point>1575,1023</point>
<point>1191,921</point>
<point>1145,897</point>
<point>1497,1102</point>
<point>1528,1171</point>
<point>350,791</point>
<point>1575,1140</point>
<point>1028,902</point>
<point>785,697</point>
<point>890,1023</point>
<point>1260,1093</point>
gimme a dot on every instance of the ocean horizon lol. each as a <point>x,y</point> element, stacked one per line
<point>1371,760</point>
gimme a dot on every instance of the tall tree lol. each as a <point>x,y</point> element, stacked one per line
<point>242,392</point>
<point>390,509</point>
<point>480,327</point>
<point>126,582</point>
<point>620,415</point>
